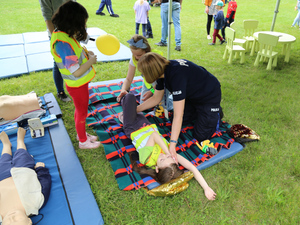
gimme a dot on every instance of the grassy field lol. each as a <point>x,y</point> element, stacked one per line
<point>259,185</point>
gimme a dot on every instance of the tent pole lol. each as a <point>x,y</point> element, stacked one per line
<point>275,14</point>
<point>169,27</point>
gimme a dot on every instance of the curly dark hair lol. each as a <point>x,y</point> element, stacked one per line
<point>71,18</point>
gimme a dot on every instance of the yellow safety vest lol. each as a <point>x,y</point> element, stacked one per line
<point>68,77</point>
<point>139,139</point>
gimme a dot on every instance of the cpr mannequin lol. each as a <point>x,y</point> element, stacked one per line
<point>24,185</point>
<point>12,107</point>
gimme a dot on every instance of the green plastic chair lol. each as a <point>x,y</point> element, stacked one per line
<point>231,48</point>
<point>238,41</point>
<point>250,26</point>
<point>266,44</point>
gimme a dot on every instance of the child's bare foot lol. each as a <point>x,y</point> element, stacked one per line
<point>4,138</point>
<point>20,139</point>
<point>21,133</point>
<point>6,143</point>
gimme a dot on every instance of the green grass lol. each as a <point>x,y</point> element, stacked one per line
<point>259,185</point>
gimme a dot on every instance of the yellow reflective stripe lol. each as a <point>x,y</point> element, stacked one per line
<point>140,137</point>
<point>60,65</point>
<point>72,77</point>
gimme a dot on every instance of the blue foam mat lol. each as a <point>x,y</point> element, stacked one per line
<point>9,51</point>
<point>11,39</point>
<point>34,47</point>
<point>13,66</point>
<point>39,61</point>
<point>80,196</point>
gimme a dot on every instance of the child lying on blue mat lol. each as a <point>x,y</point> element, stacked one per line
<point>24,185</point>
<point>153,148</point>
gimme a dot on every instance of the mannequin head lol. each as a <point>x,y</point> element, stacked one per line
<point>16,217</point>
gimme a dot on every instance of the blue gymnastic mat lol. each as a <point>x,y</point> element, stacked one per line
<point>10,51</point>
<point>11,39</point>
<point>34,48</point>
<point>19,66</point>
<point>41,150</point>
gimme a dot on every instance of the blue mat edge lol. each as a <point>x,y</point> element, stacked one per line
<point>223,154</point>
<point>80,196</point>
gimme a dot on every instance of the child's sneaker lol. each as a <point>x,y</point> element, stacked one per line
<point>89,137</point>
<point>89,144</point>
<point>62,96</point>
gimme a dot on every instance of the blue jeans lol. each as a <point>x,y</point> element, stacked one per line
<point>58,80</point>
<point>164,9</point>
<point>149,28</point>
<point>297,19</point>
<point>108,7</point>
<point>137,27</point>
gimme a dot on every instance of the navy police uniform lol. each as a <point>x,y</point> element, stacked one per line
<point>201,91</point>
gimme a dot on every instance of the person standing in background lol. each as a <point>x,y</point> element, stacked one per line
<point>141,10</point>
<point>108,7</point>
<point>297,19</point>
<point>219,22</point>
<point>164,11</point>
<point>210,10</point>
<point>48,8</point>
<point>231,10</point>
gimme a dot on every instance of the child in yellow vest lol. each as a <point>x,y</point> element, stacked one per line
<point>74,64</point>
<point>153,148</point>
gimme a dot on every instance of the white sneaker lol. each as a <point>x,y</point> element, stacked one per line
<point>89,137</point>
<point>89,144</point>
<point>208,37</point>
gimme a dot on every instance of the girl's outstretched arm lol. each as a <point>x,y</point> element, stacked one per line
<point>209,193</point>
<point>155,138</point>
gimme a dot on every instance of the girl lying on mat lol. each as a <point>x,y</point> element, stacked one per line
<point>153,148</point>
<point>24,185</point>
